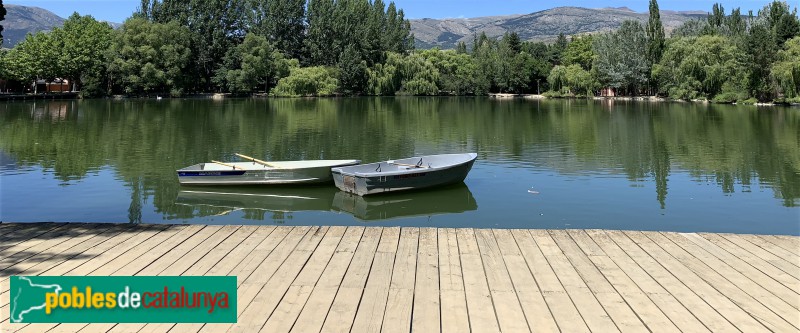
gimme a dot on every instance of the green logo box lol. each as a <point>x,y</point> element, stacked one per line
<point>123,299</point>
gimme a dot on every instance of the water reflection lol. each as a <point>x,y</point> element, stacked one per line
<point>144,142</point>
<point>206,201</point>
<point>263,203</point>
<point>449,200</point>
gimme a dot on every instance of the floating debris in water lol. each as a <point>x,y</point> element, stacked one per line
<point>533,192</point>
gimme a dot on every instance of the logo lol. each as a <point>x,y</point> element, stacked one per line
<point>123,299</point>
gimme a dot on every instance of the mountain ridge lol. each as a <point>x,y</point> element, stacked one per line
<point>543,25</point>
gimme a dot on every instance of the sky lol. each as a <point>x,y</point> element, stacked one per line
<point>119,10</point>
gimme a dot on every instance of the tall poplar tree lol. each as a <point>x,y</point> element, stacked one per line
<point>655,37</point>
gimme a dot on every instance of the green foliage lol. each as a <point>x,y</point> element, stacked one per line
<point>572,80</point>
<point>579,52</point>
<point>307,81</point>
<point>254,63</point>
<point>82,43</point>
<point>282,21</point>
<point>621,60</point>
<point>786,70</point>
<point>456,69</point>
<point>705,66</point>
<point>33,58</point>
<point>352,72</point>
<point>774,26</point>
<point>655,35</point>
<point>150,57</point>
<point>403,75</point>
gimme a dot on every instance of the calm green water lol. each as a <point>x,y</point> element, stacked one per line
<point>542,164</point>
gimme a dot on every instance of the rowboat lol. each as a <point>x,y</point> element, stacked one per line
<point>258,172</point>
<point>405,174</point>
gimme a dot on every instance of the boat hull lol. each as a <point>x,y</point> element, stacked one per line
<point>388,177</point>
<point>209,174</point>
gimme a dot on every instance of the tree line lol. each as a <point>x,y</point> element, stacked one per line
<point>363,47</point>
<point>723,58</point>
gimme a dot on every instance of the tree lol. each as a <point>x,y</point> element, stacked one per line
<point>352,72</point>
<point>254,63</point>
<point>557,49</point>
<point>318,42</point>
<point>655,35</point>
<point>702,67</point>
<point>572,79</point>
<point>404,75</point>
<point>32,59</point>
<point>2,17</point>
<point>282,22</point>
<point>82,43</point>
<point>215,25</point>
<point>456,69</point>
<point>579,52</point>
<point>774,25</point>
<point>786,70</point>
<point>621,60</point>
<point>148,57</point>
<point>307,81</point>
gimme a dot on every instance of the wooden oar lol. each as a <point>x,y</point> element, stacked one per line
<point>408,165</point>
<point>227,165</point>
<point>264,163</point>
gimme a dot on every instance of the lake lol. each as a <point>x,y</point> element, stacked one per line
<point>542,164</point>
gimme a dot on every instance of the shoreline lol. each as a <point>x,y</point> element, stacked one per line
<point>499,96</point>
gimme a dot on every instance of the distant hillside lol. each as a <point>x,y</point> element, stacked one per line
<point>540,26</point>
<point>21,20</point>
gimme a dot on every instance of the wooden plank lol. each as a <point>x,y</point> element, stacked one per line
<point>60,269</point>
<point>109,262</point>
<point>287,311</point>
<point>480,307</point>
<point>369,316</point>
<point>718,301</point>
<point>454,317</point>
<point>506,302</point>
<point>397,317</point>
<point>742,248</point>
<point>745,261</point>
<point>179,259</point>
<point>564,311</point>
<point>256,296</point>
<point>649,313</point>
<point>255,315</point>
<point>207,261</point>
<point>345,302</point>
<point>26,232</point>
<point>655,282</point>
<point>143,253</point>
<point>313,313</point>
<point>536,311</point>
<point>426,316</point>
<point>790,256</point>
<point>788,243</point>
<point>765,285</point>
<point>609,298</point>
<point>748,295</point>
<point>590,309</point>
<point>17,253</point>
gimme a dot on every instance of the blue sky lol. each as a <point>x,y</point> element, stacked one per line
<point>119,10</point>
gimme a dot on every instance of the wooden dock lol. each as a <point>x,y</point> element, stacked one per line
<point>369,279</point>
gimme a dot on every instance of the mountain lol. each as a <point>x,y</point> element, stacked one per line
<point>21,20</point>
<point>539,26</point>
